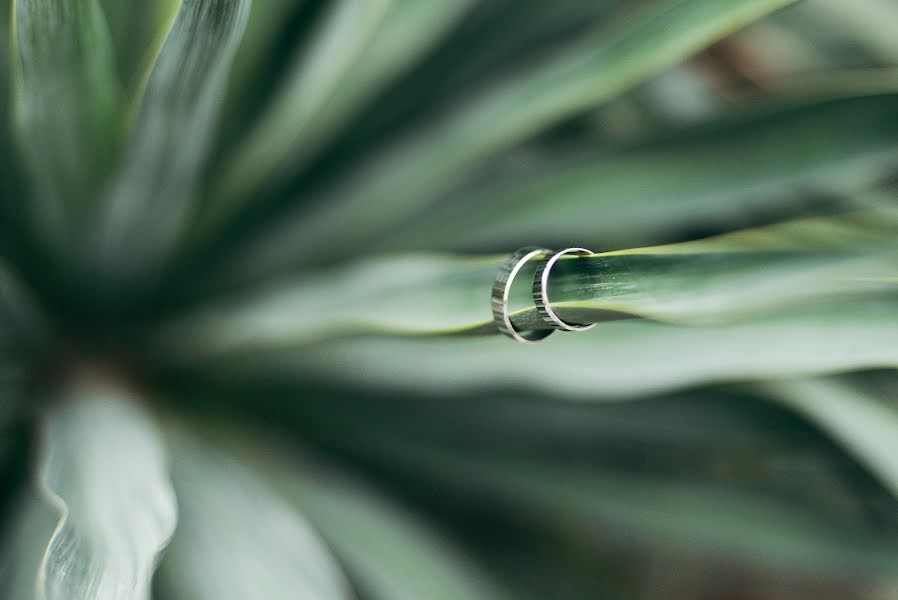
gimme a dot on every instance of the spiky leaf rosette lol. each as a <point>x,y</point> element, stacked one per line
<point>246,349</point>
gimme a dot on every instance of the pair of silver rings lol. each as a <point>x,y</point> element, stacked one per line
<point>502,286</point>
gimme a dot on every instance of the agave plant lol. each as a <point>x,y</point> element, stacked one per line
<point>245,265</point>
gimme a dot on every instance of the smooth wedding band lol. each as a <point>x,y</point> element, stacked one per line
<point>541,293</point>
<point>501,288</point>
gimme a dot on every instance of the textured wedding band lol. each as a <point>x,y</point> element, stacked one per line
<point>541,290</point>
<point>501,288</point>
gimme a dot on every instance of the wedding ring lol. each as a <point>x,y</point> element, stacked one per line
<point>501,288</point>
<point>541,293</point>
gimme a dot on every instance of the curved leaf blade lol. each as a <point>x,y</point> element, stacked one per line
<point>104,471</point>
<point>390,553</point>
<point>237,539</point>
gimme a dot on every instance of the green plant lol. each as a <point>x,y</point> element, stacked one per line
<point>245,260</point>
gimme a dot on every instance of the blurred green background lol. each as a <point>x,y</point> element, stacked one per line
<point>246,348</point>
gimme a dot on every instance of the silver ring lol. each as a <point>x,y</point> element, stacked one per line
<point>541,293</point>
<point>501,287</point>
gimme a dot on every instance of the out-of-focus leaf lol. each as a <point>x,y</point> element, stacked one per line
<point>138,28</point>
<point>103,468</point>
<point>863,424</point>
<point>24,545</point>
<point>706,515</point>
<point>708,281</point>
<point>67,104</point>
<point>614,360</point>
<point>390,553</point>
<point>156,190</point>
<point>395,183</point>
<point>21,321</point>
<point>258,57</point>
<point>361,47</point>
<point>697,176</point>
<point>237,538</point>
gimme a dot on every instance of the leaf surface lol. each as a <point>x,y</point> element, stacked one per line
<point>68,108</point>
<point>862,423</point>
<point>104,470</point>
<point>715,280</point>
<point>156,190</point>
<point>591,69</point>
<point>237,538</point>
<point>359,49</point>
<point>702,175</point>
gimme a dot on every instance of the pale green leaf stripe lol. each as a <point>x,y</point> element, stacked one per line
<point>716,280</point>
<point>362,47</point>
<point>706,515</point>
<point>104,469</point>
<point>612,361</point>
<point>707,173</point>
<point>155,191</point>
<point>237,539</point>
<point>864,425</point>
<point>67,104</point>
<point>404,177</point>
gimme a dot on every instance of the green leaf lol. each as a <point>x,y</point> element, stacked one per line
<point>137,28</point>
<point>591,69</point>
<point>389,552</point>
<point>156,189</point>
<point>615,360</point>
<point>22,322</point>
<point>24,545</point>
<point>103,468</point>
<point>67,104</point>
<point>716,280</point>
<point>357,52</point>
<point>865,425</point>
<point>237,538</point>
<point>751,504</point>
<point>700,175</point>
<point>710,516</point>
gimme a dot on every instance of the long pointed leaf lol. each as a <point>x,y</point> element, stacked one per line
<point>358,52</point>
<point>390,553</point>
<point>104,470</point>
<point>715,280</point>
<point>400,180</point>
<point>713,516</point>
<point>701,175</point>
<point>67,103</point>
<point>156,189</point>
<point>237,539</point>
<point>613,361</point>
<point>865,425</point>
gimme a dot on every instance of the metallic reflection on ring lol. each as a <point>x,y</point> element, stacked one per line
<point>500,291</point>
<point>541,290</point>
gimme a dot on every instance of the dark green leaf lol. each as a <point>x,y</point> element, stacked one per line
<point>589,70</point>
